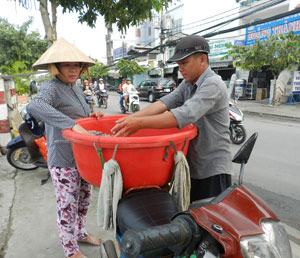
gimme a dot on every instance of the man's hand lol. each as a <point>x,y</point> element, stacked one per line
<point>97,114</point>
<point>126,126</point>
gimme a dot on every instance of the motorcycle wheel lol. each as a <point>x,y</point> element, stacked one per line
<point>135,108</point>
<point>237,133</point>
<point>104,103</point>
<point>19,158</point>
<point>110,249</point>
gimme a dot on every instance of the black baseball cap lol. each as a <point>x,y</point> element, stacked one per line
<point>189,45</point>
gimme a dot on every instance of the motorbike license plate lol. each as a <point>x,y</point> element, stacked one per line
<point>167,90</point>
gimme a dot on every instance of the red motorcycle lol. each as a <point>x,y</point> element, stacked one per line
<point>234,224</point>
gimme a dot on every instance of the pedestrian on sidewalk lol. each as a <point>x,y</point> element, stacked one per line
<point>201,98</point>
<point>59,102</point>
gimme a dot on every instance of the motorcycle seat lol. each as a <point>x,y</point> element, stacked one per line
<point>145,208</point>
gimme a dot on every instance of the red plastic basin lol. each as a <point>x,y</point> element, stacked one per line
<point>140,156</point>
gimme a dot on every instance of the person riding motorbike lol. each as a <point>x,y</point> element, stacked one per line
<point>101,84</point>
<point>127,88</point>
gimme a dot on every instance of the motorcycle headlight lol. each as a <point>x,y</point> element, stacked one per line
<point>273,243</point>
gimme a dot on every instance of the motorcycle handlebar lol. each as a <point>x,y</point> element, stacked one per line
<point>176,236</point>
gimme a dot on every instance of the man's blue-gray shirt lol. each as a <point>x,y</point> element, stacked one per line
<point>209,153</point>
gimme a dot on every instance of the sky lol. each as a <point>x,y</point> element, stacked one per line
<point>92,40</point>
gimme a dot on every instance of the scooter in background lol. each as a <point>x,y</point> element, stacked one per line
<point>133,104</point>
<point>235,224</point>
<point>88,94</point>
<point>102,98</point>
<point>237,130</point>
<point>28,150</point>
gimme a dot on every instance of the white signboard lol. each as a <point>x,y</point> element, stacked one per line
<point>296,81</point>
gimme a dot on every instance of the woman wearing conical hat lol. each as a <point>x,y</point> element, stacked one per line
<point>59,103</point>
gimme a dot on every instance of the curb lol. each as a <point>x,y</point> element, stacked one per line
<point>282,117</point>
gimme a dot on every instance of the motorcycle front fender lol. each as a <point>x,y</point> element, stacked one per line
<point>237,213</point>
<point>16,142</point>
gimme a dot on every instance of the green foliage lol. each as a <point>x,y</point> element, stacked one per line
<point>22,82</point>
<point>96,71</point>
<point>18,44</point>
<point>275,54</point>
<point>19,49</point>
<point>123,13</point>
<point>129,68</point>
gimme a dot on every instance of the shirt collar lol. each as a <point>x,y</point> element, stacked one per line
<point>203,76</point>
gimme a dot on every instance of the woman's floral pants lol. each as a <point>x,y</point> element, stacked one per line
<point>72,201</point>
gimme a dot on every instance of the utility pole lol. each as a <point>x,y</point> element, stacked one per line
<point>109,46</point>
<point>162,39</point>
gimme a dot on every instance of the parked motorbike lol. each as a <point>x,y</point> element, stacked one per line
<point>235,224</point>
<point>237,130</point>
<point>28,151</point>
<point>102,98</point>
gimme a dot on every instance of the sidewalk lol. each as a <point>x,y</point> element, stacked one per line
<point>262,108</point>
<point>28,216</point>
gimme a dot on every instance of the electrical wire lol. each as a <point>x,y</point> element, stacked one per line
<point>211,34</point>
<point>214,16</point>
<point>249,11</point>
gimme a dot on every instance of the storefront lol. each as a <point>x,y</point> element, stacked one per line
<point>218,59</point>
<point>261,32</point>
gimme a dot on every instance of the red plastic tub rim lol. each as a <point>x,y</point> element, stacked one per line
<point>188,132</point>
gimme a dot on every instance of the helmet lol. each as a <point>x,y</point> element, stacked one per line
<point>188,46</point>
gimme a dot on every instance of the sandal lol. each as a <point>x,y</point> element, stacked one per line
<point>91,240</point>
<point>77,255</point>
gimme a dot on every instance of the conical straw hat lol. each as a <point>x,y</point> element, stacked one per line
<point>61,51</point>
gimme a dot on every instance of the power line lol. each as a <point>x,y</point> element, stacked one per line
<point>278,16</point>
<point>211,34</point>
<point>273,3</point>
<point>221,24</point>
<point>242,11</point>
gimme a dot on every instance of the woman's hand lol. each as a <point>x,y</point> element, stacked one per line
<point>97,114</point>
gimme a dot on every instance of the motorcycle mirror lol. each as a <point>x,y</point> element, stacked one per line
<point>243,154</point>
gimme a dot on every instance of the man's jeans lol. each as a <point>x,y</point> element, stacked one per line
<point>121,102</point>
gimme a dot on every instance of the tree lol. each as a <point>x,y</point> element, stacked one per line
<point>19,49</point>
<point>22,82</point>
<point>275,54</point>
<point>123,13</point>
<point>17,44</point>
<point>129,68</point>
<point>96,71</point>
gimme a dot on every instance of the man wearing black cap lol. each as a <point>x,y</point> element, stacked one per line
<point>201,98</point>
